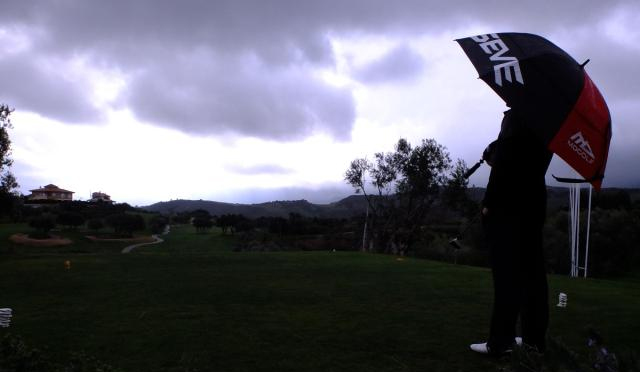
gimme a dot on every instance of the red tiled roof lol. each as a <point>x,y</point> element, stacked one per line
<point>51,188</point>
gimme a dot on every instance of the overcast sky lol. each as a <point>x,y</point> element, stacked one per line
<point>257,100</point>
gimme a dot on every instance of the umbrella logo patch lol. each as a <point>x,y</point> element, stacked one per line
<point>581,147</point>
<point>496,48</point>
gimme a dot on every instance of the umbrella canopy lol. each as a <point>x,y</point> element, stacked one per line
<point>566,109</point>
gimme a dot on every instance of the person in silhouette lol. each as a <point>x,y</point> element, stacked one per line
<point>513,214</point>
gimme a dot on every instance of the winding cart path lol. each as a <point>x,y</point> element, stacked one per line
<point>157,240</point>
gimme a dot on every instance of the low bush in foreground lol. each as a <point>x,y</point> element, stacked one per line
<point>16,356</point>
<point>559,358</point>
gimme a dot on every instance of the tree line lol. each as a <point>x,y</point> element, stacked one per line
<point>122,219</point>
<point>9,197</point>
<point>417,201</point>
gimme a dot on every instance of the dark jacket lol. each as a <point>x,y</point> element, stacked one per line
<point>517,178</point>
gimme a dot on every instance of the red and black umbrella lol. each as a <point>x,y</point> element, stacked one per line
<point>534,75</point>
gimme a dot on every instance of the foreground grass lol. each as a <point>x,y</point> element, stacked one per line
<point>192,304</point>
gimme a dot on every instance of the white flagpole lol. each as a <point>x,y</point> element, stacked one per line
<point>577,223</point>
<point>574,221</point>
<point>572,229</point>
<point>586,255</point>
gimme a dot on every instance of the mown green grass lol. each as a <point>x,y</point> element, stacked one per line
<point>193,303</point>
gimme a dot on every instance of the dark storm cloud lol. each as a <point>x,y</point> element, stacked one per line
<point>31,84</point>
<point>613,67</point>
<point>220,95</point>
<point>245,67</point>
<point>399,65</point>
<point>613,63</point>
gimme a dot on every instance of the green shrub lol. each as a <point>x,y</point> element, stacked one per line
<point>126,223</point>
<point>95,224</point>
<point>158,223</point>
<point>16,356</point>
<point>70,219</point>
<point>43,224</point>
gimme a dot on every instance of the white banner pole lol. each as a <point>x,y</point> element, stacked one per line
<point>577,196</point>
<point>586,255</point>
<point>572,229</point>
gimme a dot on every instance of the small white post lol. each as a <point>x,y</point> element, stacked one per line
<point>562,300</point>
<point>5,317</point>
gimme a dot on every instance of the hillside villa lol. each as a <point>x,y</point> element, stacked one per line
<point>51,192</point>
<point>100,197</point>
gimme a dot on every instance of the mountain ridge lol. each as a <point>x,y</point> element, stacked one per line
<point>349,206</point>
<point>344,208</point>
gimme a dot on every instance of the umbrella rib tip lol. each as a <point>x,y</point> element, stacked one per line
<point>584,63</point>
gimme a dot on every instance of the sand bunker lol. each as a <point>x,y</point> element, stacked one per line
<point>54,240</point>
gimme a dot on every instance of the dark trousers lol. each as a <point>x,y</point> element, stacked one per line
<point>519,280</point>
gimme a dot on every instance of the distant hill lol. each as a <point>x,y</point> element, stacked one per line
<point>558,197</point>
<point>347,207</point>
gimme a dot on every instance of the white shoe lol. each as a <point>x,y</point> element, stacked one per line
<point>480,348</point>
<point>484,349</point>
